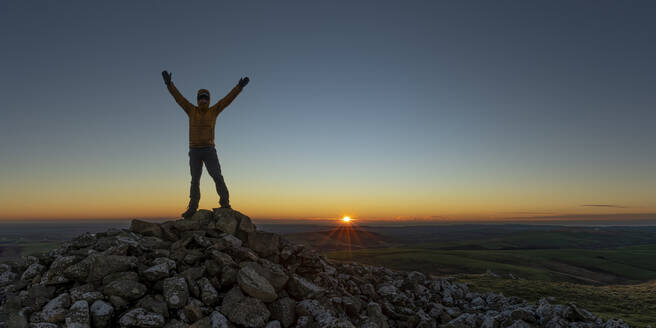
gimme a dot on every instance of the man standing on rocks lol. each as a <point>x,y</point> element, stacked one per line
<point>202,119</point>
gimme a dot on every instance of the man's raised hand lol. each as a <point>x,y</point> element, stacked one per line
<point>244,81</point>
<point>167,77</point>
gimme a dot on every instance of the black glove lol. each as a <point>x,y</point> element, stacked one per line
<point>243,81</point>
<point>167,77</point>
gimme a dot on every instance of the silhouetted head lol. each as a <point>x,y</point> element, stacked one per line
<point>203,97</point>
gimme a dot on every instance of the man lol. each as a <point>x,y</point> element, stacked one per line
<point>202,119</point>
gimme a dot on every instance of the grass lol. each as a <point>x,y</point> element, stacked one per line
<point>590,266</point>
<point>16,250</point>
<point>635,304</point>
<point>612,283</point>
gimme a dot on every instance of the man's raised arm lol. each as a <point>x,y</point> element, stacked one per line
<point>179,98</point>
<point>225,101</point>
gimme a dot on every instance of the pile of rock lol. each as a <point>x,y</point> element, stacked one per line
<point>216,270</point>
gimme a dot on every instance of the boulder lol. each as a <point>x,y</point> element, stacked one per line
<point>208,293</point>
<point>255,285</point>
<point>225,220</point>
<point>126,289</point>
<point>218,320</point>
<point>55,310</point>
<point>78,315</point>
<point>156,272</point>
<point>283,309</point>
<point>146,228</point>
<point>32,271</point>
<point>300,288</point>
<point>104,265</point>
<point>155,304</point>
<point>101,314</point>
<point>248,312</point>
<point>139,317</point>
<point>176,292</point>
<point>263,243</point>
<point>273,272</point>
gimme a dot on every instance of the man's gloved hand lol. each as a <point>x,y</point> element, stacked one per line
<point>167,77</point>
<point>243,81</point>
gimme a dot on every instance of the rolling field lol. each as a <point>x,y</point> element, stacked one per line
<point>611,282</point>
<point>590,266</point>
<point>635,304</point>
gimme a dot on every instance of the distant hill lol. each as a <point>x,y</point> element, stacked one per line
<point>341,238</point>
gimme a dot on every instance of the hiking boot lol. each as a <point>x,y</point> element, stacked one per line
<point>226,206</point>
<point>189,213</point>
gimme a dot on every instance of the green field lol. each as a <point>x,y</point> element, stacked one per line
<point>589,266</point>
<point>611,282</point>
<point>635,304</point>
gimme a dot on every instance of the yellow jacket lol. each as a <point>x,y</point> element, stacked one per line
<point>202,118</point>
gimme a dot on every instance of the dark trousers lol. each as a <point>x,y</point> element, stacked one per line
<point>207,155</point>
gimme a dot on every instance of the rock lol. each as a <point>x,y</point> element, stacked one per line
<point>284,310</point>
<point>146,228</point>
<point>40,325</point>
<point>101,314</point>
<point>156,272</point>
<point>7,277</point>
<point>104,265</point>
<point>245,223</point>
<point>80,270</point>
<point>127,289</point>
<point>321,315</point>
<point>171,265</point>
<point>55,310</point>
<point>387,290</point>
<point>55,274</point>
<point>32,271</point>
<point>119,303</point>
<point>202,323</point>
<point>85,292</point>
<point>217,320</point>
<point>263,243</point>
<point>522,314</point>
<point>255,285</point>
<point>17,319</point>
<point>155,304</point>
<point>175,324</point>
<point>193,311</point>
<point>176,293</point>
<point>299,288</point>
<point>84,240</point>
<point>78,315</point>
<point>376,315</point>
<point>208,293</point>
<point>227,241</point>
<point>273,324</point>
<point>203,216</point>
<point>129,275</point>
<point>248,312</point>
<point>176,274</point>
<point>139,317</point>
<point>225,220</point>
<point>464,320</point>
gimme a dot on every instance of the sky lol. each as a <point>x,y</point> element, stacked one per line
<point>393,110</point>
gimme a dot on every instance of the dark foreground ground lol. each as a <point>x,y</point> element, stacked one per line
<point>608,270</point>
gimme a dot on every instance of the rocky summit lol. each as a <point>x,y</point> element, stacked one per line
<point>216,269</point>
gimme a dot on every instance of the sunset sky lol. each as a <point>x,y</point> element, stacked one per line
<point>420,110</point>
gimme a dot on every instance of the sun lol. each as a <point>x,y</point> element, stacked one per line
<point>346,219</point>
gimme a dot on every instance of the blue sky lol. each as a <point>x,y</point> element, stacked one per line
<point>373,108</point>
